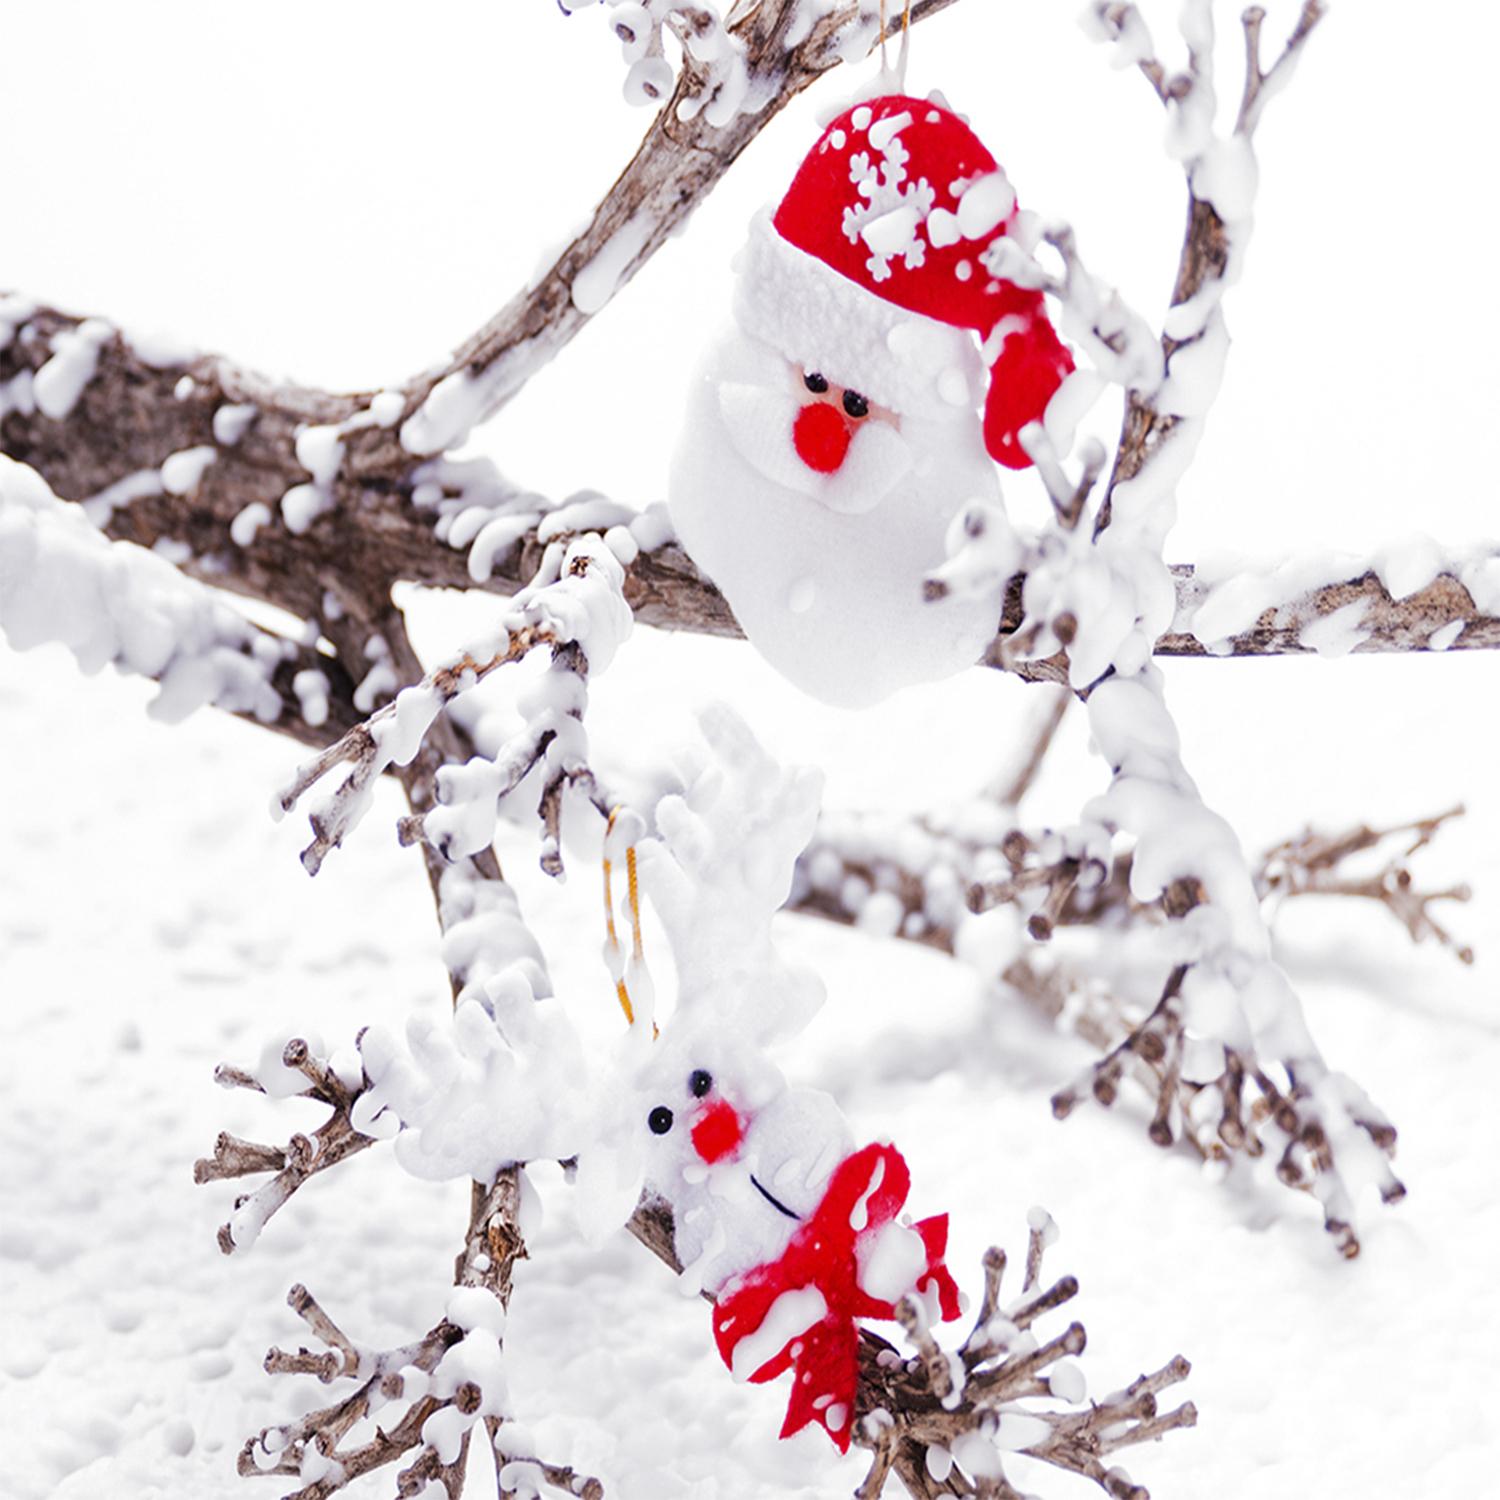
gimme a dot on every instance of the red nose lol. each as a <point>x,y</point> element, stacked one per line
<point>821,436</point>
<point>717,1131</point>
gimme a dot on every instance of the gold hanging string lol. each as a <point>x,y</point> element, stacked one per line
<point>885,67</point>
<point>614,950</point>
<point>613,954</point>
<point>633,895</point>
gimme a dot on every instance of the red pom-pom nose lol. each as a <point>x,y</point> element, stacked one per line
<point>717,1131</point>
<point>821,436</point>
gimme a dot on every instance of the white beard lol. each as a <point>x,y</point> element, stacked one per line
<point>825,572</point>
<point>759,423</point>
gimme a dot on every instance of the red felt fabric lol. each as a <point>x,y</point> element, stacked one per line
<point>823,1253</point>
<point>950,284</point>
<point>717,1131</point>
<point>821,437</point>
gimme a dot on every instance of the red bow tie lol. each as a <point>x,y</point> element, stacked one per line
<point>798,1312</point>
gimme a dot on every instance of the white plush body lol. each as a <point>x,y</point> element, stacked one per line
<point>825,573</point>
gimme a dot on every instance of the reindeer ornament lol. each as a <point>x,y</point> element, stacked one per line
<point>793,1232</point>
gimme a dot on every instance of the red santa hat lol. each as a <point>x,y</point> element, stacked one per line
<point>880,263</point>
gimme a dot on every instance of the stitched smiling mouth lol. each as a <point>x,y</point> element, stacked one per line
<point>775,1203</point>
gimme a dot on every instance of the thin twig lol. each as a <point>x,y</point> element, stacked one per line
<point>1260,84</point>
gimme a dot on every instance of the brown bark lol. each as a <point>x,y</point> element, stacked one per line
<point>907,1406</point>
<point>128,421</point>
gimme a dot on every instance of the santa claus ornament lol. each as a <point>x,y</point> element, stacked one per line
<point>877,370</point>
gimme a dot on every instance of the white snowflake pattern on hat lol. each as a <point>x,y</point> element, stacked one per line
<point>889,221</point>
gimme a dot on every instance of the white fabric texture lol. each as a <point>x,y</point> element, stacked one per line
<point>829,324</point>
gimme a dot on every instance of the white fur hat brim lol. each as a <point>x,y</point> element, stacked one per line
<point>829,324</point>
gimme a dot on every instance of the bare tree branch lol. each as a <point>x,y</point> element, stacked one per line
<point>942,1422</point>
<point>1206,249</point>
<point>334,1141</point>
<point>311,1447</point>
<point>919,878</point>
<point>1124,25</point>
<point>1313,864</point>
<point>1261,84</point>
<point>1012,788</point>
<point>939,869</point>
<point>129,421</point>
<point>678,163</point>
<point>283,458</point>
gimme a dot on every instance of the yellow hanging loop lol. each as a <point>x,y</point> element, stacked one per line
<point>613,956</point>
<point>613,949</point>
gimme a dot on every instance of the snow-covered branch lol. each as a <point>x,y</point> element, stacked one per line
<point>943,1421</point>
<point>1411,599</point>
<point>736,76</point>
<point>464,526</point>
<point>279,458</point>
<point>715,73</point>
<point>575,606</point>
<point>1316,864</point>
<point>922,879</point>
<point>962,1411</point>
<point>311,1448</point>
<point>1222,178</point>
<point>1261,82</point>
<point>182,459</point>
<point>291,1068</point>
<point>430,1395</point>
<point>931,880</point>
<point>1098,599</point>
<point>121,605</point>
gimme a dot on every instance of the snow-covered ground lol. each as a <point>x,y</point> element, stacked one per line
<point>338,192</point>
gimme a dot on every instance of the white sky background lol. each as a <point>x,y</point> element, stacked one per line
<point>340,192</point>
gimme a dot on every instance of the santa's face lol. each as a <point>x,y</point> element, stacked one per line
<point>846,452</point>
<point>830,418</point>
<point>819,513</point>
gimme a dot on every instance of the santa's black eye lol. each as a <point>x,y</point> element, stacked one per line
<point>856,405</point>
<point>660,1120</point>
<point>817,384</point>
<point>700,1081</point>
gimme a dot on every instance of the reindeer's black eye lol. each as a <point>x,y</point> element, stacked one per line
<point>660,1120</point>
<point>817,384</point>
<point>856,405</point>
<point>700,1081</point>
